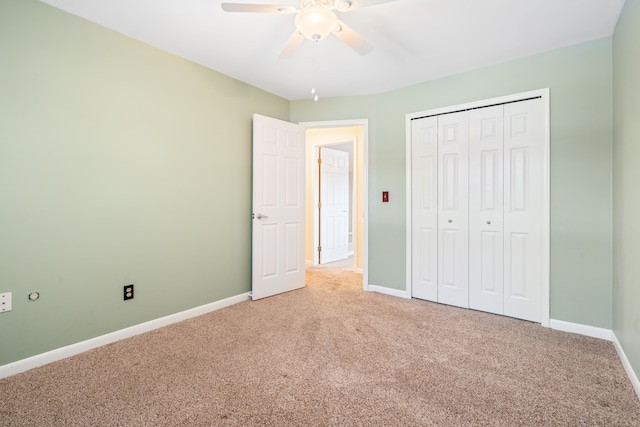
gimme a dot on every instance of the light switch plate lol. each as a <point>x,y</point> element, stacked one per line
<point>5,302</point>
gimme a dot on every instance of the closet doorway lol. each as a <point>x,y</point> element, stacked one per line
<point>478,206</point>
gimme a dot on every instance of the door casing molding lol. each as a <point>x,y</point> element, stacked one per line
<point>546,173</point>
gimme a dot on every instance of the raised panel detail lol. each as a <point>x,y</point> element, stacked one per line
<point>330,195</point>
<point>450,133</point>
<point>519,125</point>
<point>292,237</point>
<point>428,238</point>
<point>449,258</point>
<point>270,250</point>
<point>489,262</point>
<point>427,177</point>
<point>428,136</point>
<point>518,265</point>
<point>488,129</point>
<point>519,179</point>
<point>489,180</point>
<point>292,184</point>
<point>270,136</point>
<point>450,185</point>
<point>293,142</point>
<point>329,241</point>
<point>269,180</point>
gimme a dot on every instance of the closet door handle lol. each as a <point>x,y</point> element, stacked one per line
<point>488,222</point>
<point>450,221</point>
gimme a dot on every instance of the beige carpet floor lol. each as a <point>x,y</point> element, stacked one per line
<point>332,355</point>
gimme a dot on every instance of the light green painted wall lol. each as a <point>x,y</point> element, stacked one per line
<point>579,79</point>
<point>626,183</point>
<point>119,163</point>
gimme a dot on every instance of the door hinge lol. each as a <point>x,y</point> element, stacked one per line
<point>319,161</point>
<point>319,248</point>
<point>319,204</point>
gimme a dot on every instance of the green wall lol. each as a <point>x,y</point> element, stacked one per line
<point>119,163</point>
<point>626,182</point>
<point>579,79</point>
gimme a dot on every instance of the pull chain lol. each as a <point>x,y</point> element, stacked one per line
<point>313,76</point>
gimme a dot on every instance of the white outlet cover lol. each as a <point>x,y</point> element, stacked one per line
<point>5,302</point>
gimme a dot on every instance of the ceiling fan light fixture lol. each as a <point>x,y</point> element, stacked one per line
<point>316,22</point>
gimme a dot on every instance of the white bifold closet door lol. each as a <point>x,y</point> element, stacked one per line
<point>476,209</point>
<point>424,208</point>
<point>453,209</point>
<point>486,213</point>
<point>523,177</point>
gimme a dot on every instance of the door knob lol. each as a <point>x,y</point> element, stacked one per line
<point>260,216</point>
<point>488,222</point>
<point>450,221</point>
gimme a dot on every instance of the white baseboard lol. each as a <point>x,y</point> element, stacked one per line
<point>80,347</point>
<point>626,364</point>
<point>576,328</point>
<point>388,291</point>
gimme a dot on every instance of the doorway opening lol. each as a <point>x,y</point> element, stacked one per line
<point>348,140</point>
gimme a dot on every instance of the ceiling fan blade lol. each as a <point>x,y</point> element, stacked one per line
<point>292,45</point>
<point>353,39</point>
<point>349,5</point>
<point>257,8</point>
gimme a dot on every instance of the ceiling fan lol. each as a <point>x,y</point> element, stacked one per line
<point>314,20</point>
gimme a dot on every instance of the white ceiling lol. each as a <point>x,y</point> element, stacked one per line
<point>414,40</point>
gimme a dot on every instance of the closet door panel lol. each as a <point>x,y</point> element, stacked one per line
<point>523,209</point>
<point>453,215</point>
<point>486,177</point>
<point>424,208</point>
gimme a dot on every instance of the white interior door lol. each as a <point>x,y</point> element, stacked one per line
<point>453,211</point>
<point>424,207</point>
<point>278,207</point>
<point>486,253</point>
<point>334,205</point>
<point>523,209</point>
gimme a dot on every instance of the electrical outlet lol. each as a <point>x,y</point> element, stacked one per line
<point>5,302</point>
<point>128,292</point>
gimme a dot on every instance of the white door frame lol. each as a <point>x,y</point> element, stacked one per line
<point>315,146</point>
<point>546,157</point>
<point>365,175</point>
